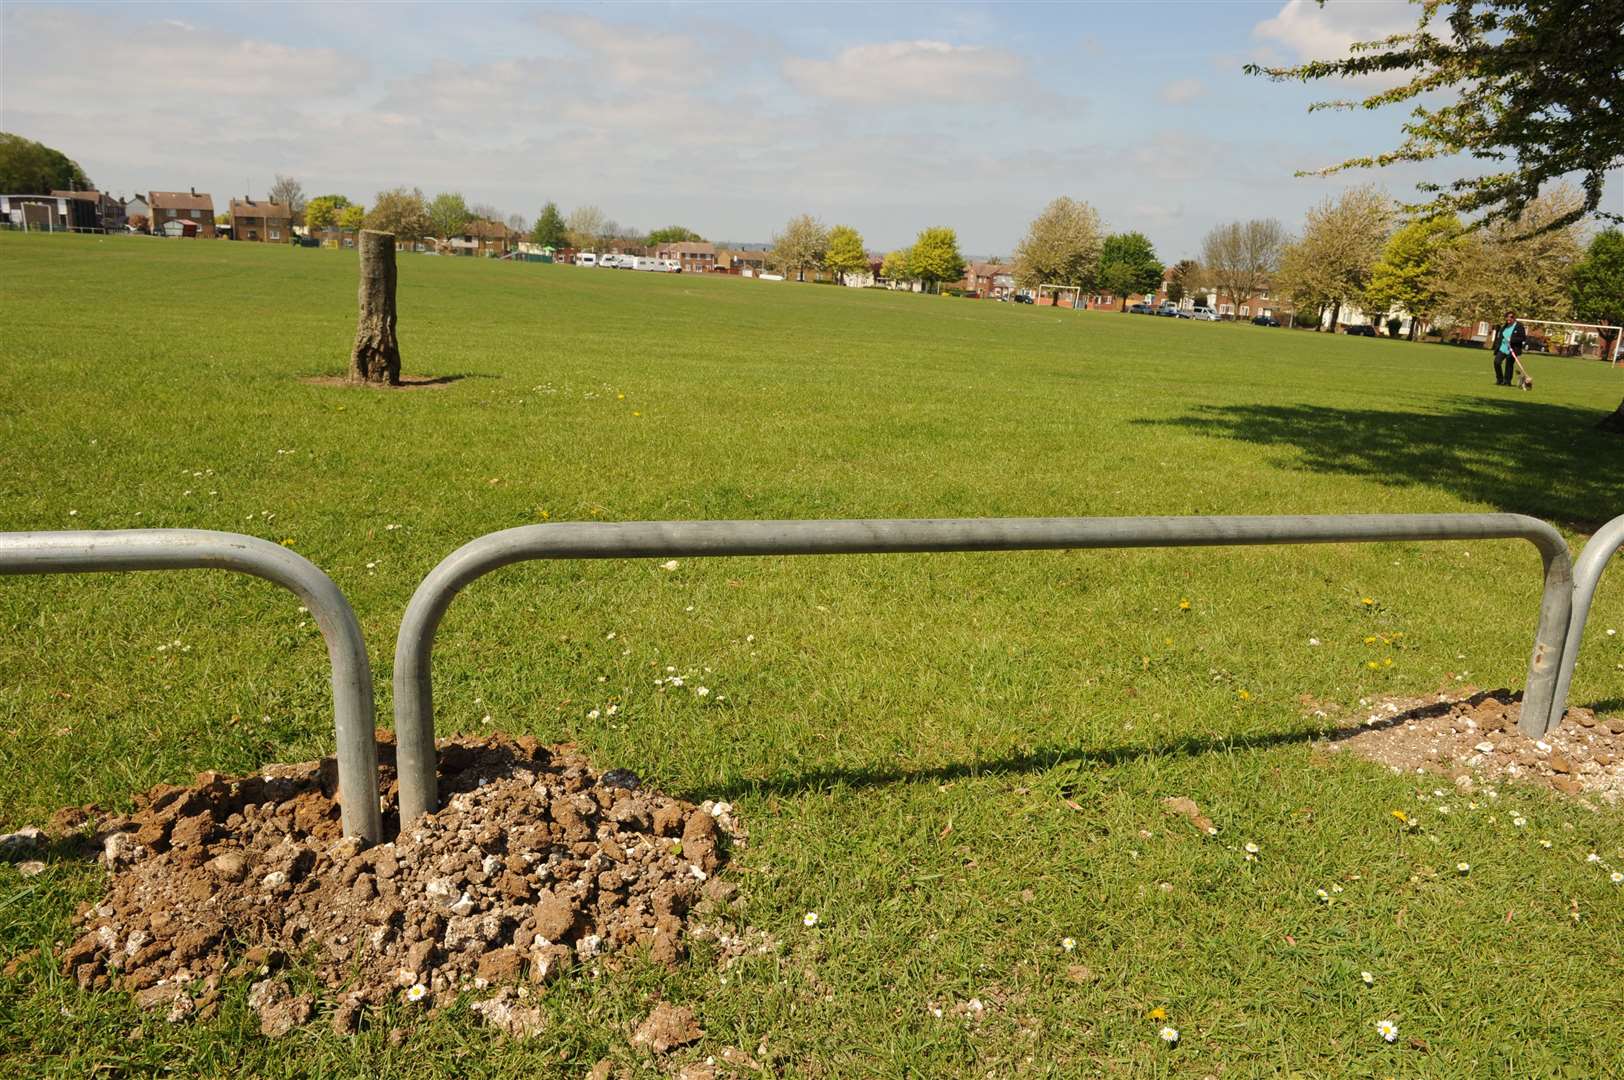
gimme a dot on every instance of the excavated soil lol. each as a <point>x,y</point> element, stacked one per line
<point>1473,734</point>
<point>536,864</point>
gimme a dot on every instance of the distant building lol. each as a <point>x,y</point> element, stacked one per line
<point>696,256</point>
<point>172,210</point>
<point>263,222</point>
<point>110,213</point>
<point>49,213</point>
<point>478,237</point>
<point>988,280</point>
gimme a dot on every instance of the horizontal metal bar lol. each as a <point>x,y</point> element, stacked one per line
<point>414,702</point>
<point>1604,543</point>
<point>187,549</point>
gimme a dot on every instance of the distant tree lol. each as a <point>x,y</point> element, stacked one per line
<point>672,234</point>
<point>587,228</point>
<point>1128,265</point>
<point>448,213</point>
<point>1242,257</point>
<point>485,212</point>
<point>1496,79</point>
<point>398,211</point>
<point>1330,265</point>
<point>801,246</point>
<point>322,211</point>
<point>845,254</point>
<point>222,219</point>
<point>1597,283</point>
<point>549,230</point>
<point>352,217</point>
<point>518,224</point>
<point>1522,264</point>
<point>935,256</point>
<point>31,168</point>
<point>1406,275</point>
<point>894,267</point>
<point>1061,246</point>
<point>1181,282</point>
<point>290,193</point>
<point>1597,286</point>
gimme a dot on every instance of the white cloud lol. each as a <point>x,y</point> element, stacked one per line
<point>906,72</point>
<point>1311,32</point>
<point>1183,91</point>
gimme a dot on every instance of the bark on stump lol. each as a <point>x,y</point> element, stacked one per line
<point>376,356</point>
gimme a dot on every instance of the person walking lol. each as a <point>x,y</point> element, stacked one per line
<point>1508,342</point>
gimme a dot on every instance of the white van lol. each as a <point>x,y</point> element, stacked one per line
<point>1202,313</point>
<point>611,261</point>
<point>642,262</point>
<point>586,258</point>
<point>673,266</point>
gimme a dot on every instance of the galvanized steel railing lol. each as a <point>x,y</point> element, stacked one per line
<point>1603,545</point>
<point>185,549</point>
<point>414,701</point>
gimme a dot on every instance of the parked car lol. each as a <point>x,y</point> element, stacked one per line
<point>1202,313</point>
<point>1361,331</point>
<point>1022,298</point>
<point>1139,309</point>
<point>1265,320</point>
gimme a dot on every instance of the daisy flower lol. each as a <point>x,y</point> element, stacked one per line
<point>1323,895</point>
<point>1592,857</point>
<point>1387,1030</point>
<point>1170,1035</point>
<point>1252,848</point>
<point>1544,843</point>
<point>1464,867</point>
<point>1519,821</point>
<point>417,992</point>
<point>1068,944</point>
<point>809,919</point>
<point>1616,877</point>
<point>1368,978</point>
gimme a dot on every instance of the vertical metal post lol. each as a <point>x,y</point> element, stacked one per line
<point>1587,571</point>
<point>183,549</point>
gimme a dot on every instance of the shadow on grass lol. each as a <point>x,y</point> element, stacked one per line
<point>1032,761</point>
<point>1517,454</point>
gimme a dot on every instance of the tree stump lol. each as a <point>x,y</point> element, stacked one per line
<point>376,356</point>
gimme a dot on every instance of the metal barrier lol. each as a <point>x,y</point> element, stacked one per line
<point>1603,545</point>
<point>186,549</point>
<point>414,697</point>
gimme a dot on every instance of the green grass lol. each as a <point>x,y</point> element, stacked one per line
<point>957,760</point>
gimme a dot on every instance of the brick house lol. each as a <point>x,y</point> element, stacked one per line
<point>263,221</point>
<point>172,207</point>
<point>478,237</point>
<point>988,280</point>
<point>737,262</point>
<point>696,256</point>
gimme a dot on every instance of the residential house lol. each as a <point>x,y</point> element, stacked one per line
<point>172,210</point>
<point>749,263</point>
<point>696,256</point>
<point>109,211</point>
<point>988,280</point>
<point>479,237</point>
<point>137,214</point>
<point>263,221</point>
<point>49,213</point>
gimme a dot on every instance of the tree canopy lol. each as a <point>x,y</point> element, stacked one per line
<point>1181,282</point>
<point>935,255</point>
<point>1522,264</point>
<point>801,246</point>
<point>1407,273</point>
<point>1243,257</point>
<point>352,217</point>
<point>845,254</point>
<point>549,228</point>
<point>672,234</point>
<point>1529,82</point>
<point>322,211</point>
<point>1330,265</point>
<point>1128,265</point>
<point>290,193</point>
<point>587,228</point>
<point>1597,283</point>
<point>398,211</point>
<point>448,213</point>
<point>894,267</point>
<point>1061,246</point>
<point>31,168</point>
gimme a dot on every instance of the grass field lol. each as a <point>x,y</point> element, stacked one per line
<point>956,760</point>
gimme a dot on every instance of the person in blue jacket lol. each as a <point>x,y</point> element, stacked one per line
<point>1508,342</point>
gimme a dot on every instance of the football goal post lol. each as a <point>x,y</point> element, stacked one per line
<point>1593,341</point>
<point>1063,295</point>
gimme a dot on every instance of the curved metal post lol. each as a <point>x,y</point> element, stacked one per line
<point>1587,571</point>
<point>186,549</point>
<point>414,699</point>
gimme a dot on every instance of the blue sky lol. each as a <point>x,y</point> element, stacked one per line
<point>727,118</point>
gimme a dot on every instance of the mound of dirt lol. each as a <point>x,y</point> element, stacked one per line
<point>1474,734</point>
<point>536,864</point>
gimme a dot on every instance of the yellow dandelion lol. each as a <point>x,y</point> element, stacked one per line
<point>1184,603</point>
<point>1243,695</point>
<point>1368,601</point>
<point>1402,816</point>
<point>1372,665</point>
<point>1158,1013</point>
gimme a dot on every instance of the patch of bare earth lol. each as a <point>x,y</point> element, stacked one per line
<point>536,866</point>
<point>1472,736</point>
